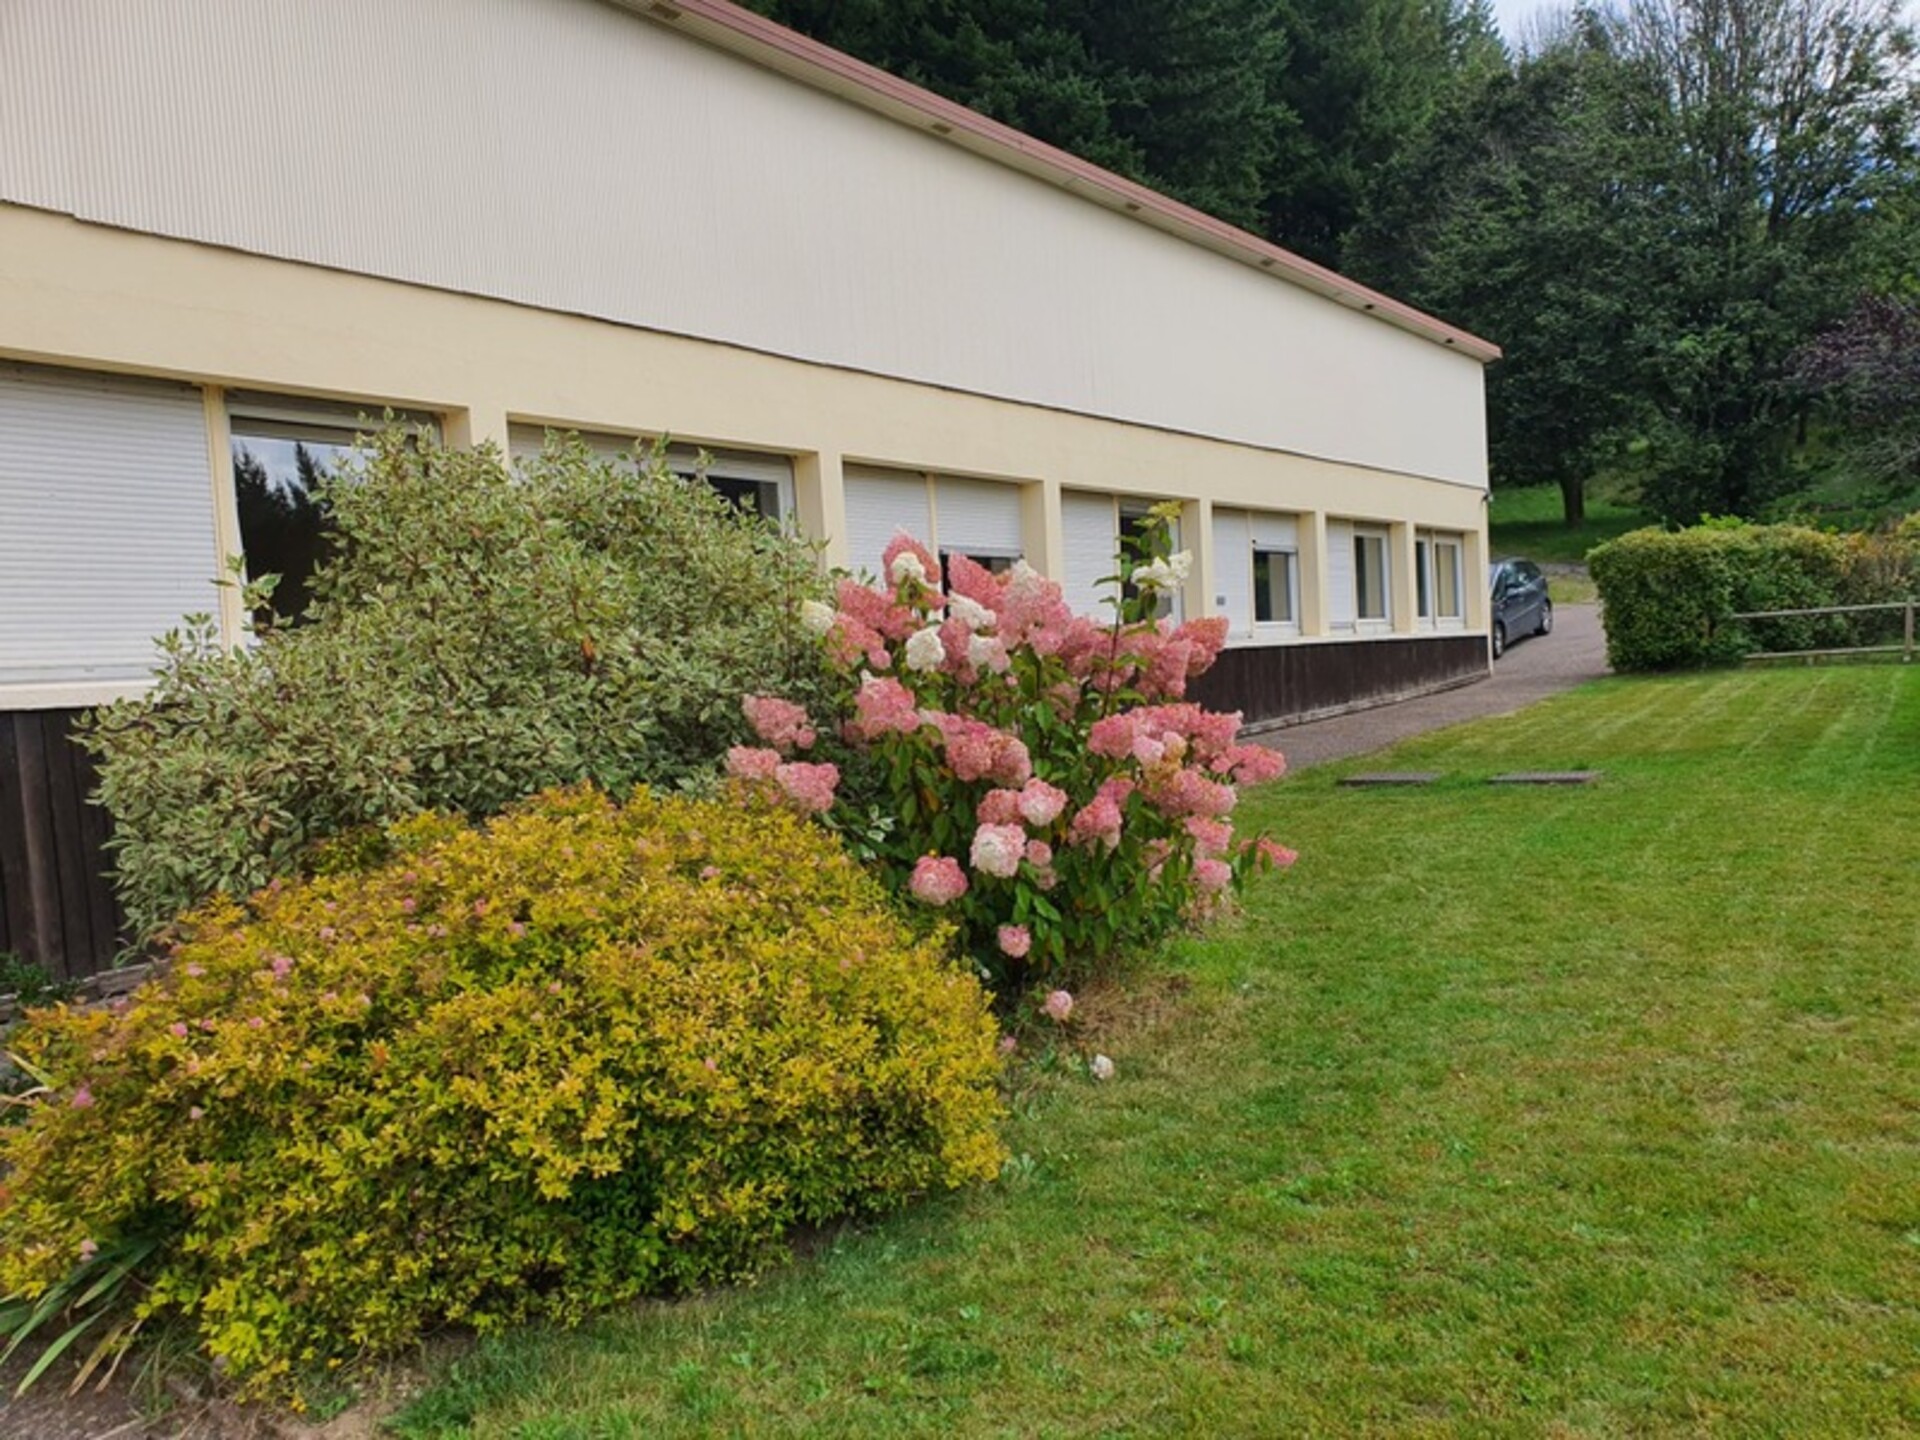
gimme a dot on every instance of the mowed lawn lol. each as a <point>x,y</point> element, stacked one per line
<point>1508,1112</point>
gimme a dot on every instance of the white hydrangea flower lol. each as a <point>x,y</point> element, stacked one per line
<point>815,618</point>
<point>970,613</point>
<point>924,650</point>
<point>984,652</point>
<point>1155,575</point>
<point>1101,1067</point>
<point>1181,564</point>
<point>906,566</point>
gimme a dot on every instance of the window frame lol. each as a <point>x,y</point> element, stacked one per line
<point>1380,537</point>
<point>1290,625</point>
<point>297,419</point>
<point>1428,610</point>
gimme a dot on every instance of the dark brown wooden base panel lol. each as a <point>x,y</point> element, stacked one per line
<point>56,904</point>
<point>1287,684</point>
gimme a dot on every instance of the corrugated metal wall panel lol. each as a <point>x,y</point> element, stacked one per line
<point>1233,570</point>
<point>106,521</point>
<point>565,154</point>
<point>977,517</point>
<point>880,504</point>
<point>1091,536</point>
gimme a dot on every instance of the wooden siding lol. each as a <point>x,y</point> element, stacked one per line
<point>56,905</point>
<point>1298,682</point>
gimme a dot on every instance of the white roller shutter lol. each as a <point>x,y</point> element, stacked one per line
<point>1233,570</point>
<point>1340,598</point>
<point>106,522</point>
<point>1089,525</point>
<point>526,442</point>
<point>978,517</point>
<point>881,503</point>
<point>1275,532</point>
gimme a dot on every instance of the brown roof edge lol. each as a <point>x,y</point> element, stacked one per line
<point>759,39</point>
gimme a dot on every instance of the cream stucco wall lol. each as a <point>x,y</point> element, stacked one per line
<point>84,295</point>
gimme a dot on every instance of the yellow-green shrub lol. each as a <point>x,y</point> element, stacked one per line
<point>585,1052</point>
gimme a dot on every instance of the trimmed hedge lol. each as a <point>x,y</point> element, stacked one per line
<point>1665,595</point>
<point>588,1052</point>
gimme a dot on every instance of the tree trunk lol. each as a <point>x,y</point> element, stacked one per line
<point>1573,499</point>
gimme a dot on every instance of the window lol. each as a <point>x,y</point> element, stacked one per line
<point>1133,521</point>
<point>756,482</point>
<point>1440,572</point>
<point>283,448</point>
<point>1449,572</point>
<point>950,514</point>
<point>1370,575</point>
<point>1275,587</point>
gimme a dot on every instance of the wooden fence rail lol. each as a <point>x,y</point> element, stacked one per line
<point>1905,650</point>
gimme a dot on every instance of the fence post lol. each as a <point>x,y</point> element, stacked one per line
<point>1907,659</point>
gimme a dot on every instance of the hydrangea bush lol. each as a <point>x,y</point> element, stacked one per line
<point>1036,776</point>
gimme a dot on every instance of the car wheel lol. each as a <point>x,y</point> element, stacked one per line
<point>1546,618</point>
<point>1499,639</point>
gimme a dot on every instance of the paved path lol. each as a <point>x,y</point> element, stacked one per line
<point>1532,670</point>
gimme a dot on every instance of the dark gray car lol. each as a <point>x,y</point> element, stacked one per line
<point>1520,603</point>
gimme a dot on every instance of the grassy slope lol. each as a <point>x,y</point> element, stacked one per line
<point>1529,522</point>
<point>1508,1112</point>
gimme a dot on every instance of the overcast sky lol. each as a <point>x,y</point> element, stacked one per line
<point>1513,15</point>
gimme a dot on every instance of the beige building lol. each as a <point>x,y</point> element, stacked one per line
<point>230,228</point>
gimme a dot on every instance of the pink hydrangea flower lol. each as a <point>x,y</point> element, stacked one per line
<point>82,1098</point>
<point>1272,852</point>
<point>808,788</point>
<point>882,707</point>
<point>1188,792</point>
<point>779,723</point>
<point>1113,736</point>
<point>745,762</point>
<point>977,751</point>
<point>1039,854</point>
<point>178,1029</point>
<point>1058,1006</point>
<point>1097,823</point>
<point>1254,764</point>
<point>998,849</point>
<point>1210,837</point>
<point>1211,875</point>
<point>999,807</point>
<point>1041,803</point>
<point>875,610</point>
<point>1014,940</point>
<point>937,880</point>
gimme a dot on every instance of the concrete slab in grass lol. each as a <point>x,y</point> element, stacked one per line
<point>1382,778</point>
<point>1545,777</point>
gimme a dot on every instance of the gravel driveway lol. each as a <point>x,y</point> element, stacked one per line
<point>1531,670</point>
